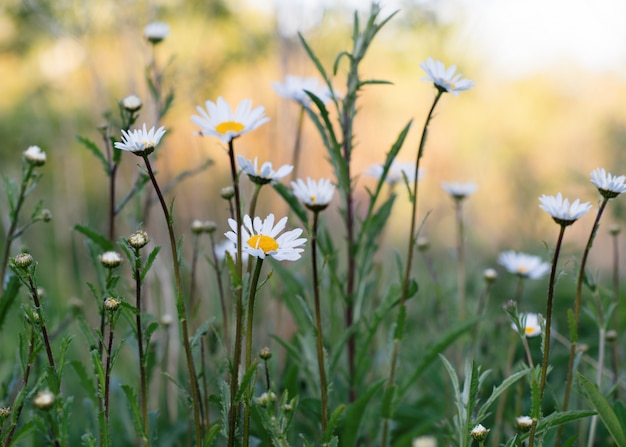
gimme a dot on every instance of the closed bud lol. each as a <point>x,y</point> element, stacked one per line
<point>479,433</point>
<point>227,192</point>
<point>35,156</point>
<point>524,423</point>
<point>110,259</point>
<point>23,260</point>
<point>111,304</point>
<point>138,239</point>
<point>265,353</point>
<point>44,400</point>
<point>132,103</point>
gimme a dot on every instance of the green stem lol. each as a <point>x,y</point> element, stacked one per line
<point>42,323</point>
<point>318,324</point>
<point>250,324</point>
<point>234,380</point>
<point>460,260</point>
<point>409,261</point>
<point>546,348</point>
<point>220,288</point>
<point>180,305</point>
<point>297,145</point>
<point>14,218</point>
<point>577,300</point>
<point>142,364</point>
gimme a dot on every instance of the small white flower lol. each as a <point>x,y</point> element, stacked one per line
<point>561,210</point>
<point>295,88</point>
<point>610,186</point>
<point>524,265</point>
<point>530,323</point>
<point>220,121</point>
<point>260,238</point>
<point>132,103</point>
<point>155,32</point>
<point>396,172</point>
<point>316,195</point>
<point>44,399</point>
<point>35,156</point>
<point>445,80</point>
<point>524,423</point>
<point>140,141</point>
<point>459,191</point>
<point>265,173</point>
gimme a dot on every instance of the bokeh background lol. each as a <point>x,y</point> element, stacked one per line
<point>547,108</point>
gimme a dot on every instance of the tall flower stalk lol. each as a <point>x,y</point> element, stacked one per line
<point>609,187</point>
<point>564,214</point>
<point>142,143</point>
<point>444,81</point>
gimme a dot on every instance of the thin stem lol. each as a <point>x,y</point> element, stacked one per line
<point>220,287</point>
<point>297,145</point>
<point>205,385</point>
<point>180,305</point>
<point>318,324</point>
<point>460,260</point>
<point>614,344</point>
<point>193,273</point>
<point>577,300</point>
<point>409,261</point>
<point>14,218</point>
<point>599,372</point>
<point>107,370</point>
<point>142,362</point>
<point>234,380</point>
<point>546,348</point>
<point>250,324</point>
<point>44,331</point>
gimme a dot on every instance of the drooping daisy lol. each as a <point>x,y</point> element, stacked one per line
<point>445,80</point>
<point>524,265</point>
<point>396,172</point>
<point>155,32</point>
<point>220,121</point>
<point>459,191</point>
<point>260,238</point>
<point>35,156</point>
<point>530,323</point>
<point>561,210</point>
<point>610,186</point>
<point>140,141</point>
<point>265,173</point>
<point>316,195</point>
<point>295,88</point>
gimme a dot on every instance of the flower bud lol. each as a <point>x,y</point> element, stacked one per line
<point>479,433</point>
<point>490,275</point>
<point>611,335</point>
<point>524,423</point>
<point>227,193</point>
<point>155,32</point>
<point>46,215</point>
<point>199,227</point>
<point>132,103</point>
<point>35,156</point>
<point>166,320</point>
<point>138,239</point>
<point>111,304</point>
<point>44,400</point>
<point>23,260</point>
<point>265,353</point>
<point>615,229</point>
<point>5,412</point>
<point>422,243</point>
<point>110,259</point>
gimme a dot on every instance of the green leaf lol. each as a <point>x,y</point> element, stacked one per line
<point>606,413</point>
<point>11,188</point>
<point>210,437</point>
<point>334,419</point>
<point>102,241</point>
<point>435,349</point>
<point>85,378</point>
<point>201,331</point>
<point>95,150</point>
<point>133,404</point>
<point>151,257</point>
<point>354,414</point>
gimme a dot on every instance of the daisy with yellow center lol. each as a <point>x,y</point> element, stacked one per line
<point>220,121</point>
<point>260,238</point>
<point>140,141</point>
<point>445,80</point>
<point>524,265</point>
<point>530,324</point>
<point>264,174</point>
<point>316,195</point>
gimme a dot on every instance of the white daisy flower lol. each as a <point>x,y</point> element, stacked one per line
<point>524,265</point>
<point>110,259</point>
<point>445,80</point>
<point>530,323</point>
<point>265,173</point>
<point>155,32</point>
<point>35,156</point>
<point>260,238</point>
<point>295,88</point>
<point>220,121</point>
<point>561,210</point>
<point>459,191</point>
<point>396,172</point>
<point>140,141</point>
<point>610,186</point>
<point>316,195</point>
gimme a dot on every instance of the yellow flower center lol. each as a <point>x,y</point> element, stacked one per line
<point>452,86</point>
<point>522,269</point>
<point>265,243</point>
<point>313,200</point>
<point>529,330</point>
<point>229,126</point>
